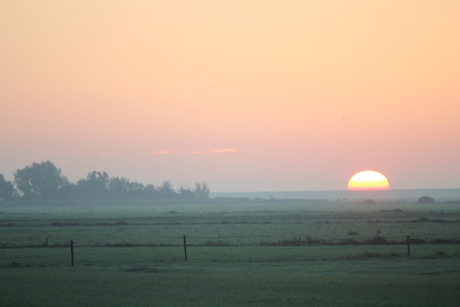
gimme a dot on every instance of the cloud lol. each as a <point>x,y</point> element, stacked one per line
<point>165,152</point>
<point>221,150</point>
<point>73,152</point>
<point>214,151</point>
<point>106,154</point>
<point>197,152</point>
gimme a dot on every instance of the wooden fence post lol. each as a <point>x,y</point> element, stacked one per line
<point>185,248</point>
<point>408,246</point>
<point>71,251</point>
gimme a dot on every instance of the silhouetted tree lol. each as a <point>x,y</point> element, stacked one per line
<point>166,190</point>
<point>45,181</point>
<point>186,193</point>
<point>119,186</point>
<point>40,180</point>
<point>122,187</point>
<point>96,185</point>
<point>7,190</point>
<point>149,191</point>
<point>70,191</point>
<point>135,189</point>
<point>201,190</point>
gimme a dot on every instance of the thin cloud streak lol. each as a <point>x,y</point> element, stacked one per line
<point>166,152</point>
<point>222,150</point>
<point>215,151</point>
<point>106,154</point>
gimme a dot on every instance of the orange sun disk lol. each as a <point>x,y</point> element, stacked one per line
<point>368,181</point>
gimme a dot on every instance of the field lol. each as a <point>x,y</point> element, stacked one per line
<point>239,253</point>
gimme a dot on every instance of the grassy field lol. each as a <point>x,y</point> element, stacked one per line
<point>272,253</point>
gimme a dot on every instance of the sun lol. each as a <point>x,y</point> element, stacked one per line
<point>368,181</point>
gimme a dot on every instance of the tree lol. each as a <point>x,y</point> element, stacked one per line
<point>122,187</point>
<point>149,191</point>
<point>202,190</point>
<point>166,190</point>
<point>7,190</point>
<point>186,193</point>
<point>45,181</point>
<point>136,189</point>
<point>119,186</point>
<point>40,180</point>
<point>96,185</point>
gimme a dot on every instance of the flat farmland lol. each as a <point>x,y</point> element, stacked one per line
<point>257,253</point>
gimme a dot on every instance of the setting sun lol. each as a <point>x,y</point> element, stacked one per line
<point>367,181</point>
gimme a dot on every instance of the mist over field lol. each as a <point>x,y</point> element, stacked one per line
<point>398,196</point>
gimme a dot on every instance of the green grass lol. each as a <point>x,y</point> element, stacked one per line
<point>231,276</point>
<point>220,225</point>
<point>244,273</point>
<point>86,287</point>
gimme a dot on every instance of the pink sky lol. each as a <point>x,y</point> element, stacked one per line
<point>246,95</point>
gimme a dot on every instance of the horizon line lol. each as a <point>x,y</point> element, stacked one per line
<point>345,190</point>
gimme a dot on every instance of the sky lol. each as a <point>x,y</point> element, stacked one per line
<point>245,95</point>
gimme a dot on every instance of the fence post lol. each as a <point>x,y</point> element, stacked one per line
<point>71,251</point>
<point>185,248</point>
<point>408,246</point>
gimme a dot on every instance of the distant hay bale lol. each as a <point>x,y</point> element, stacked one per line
<point>425,200</point>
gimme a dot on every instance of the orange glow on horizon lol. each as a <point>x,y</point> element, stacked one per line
<point>368,181</point>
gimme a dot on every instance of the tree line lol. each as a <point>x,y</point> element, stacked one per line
<point>45,181</point>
